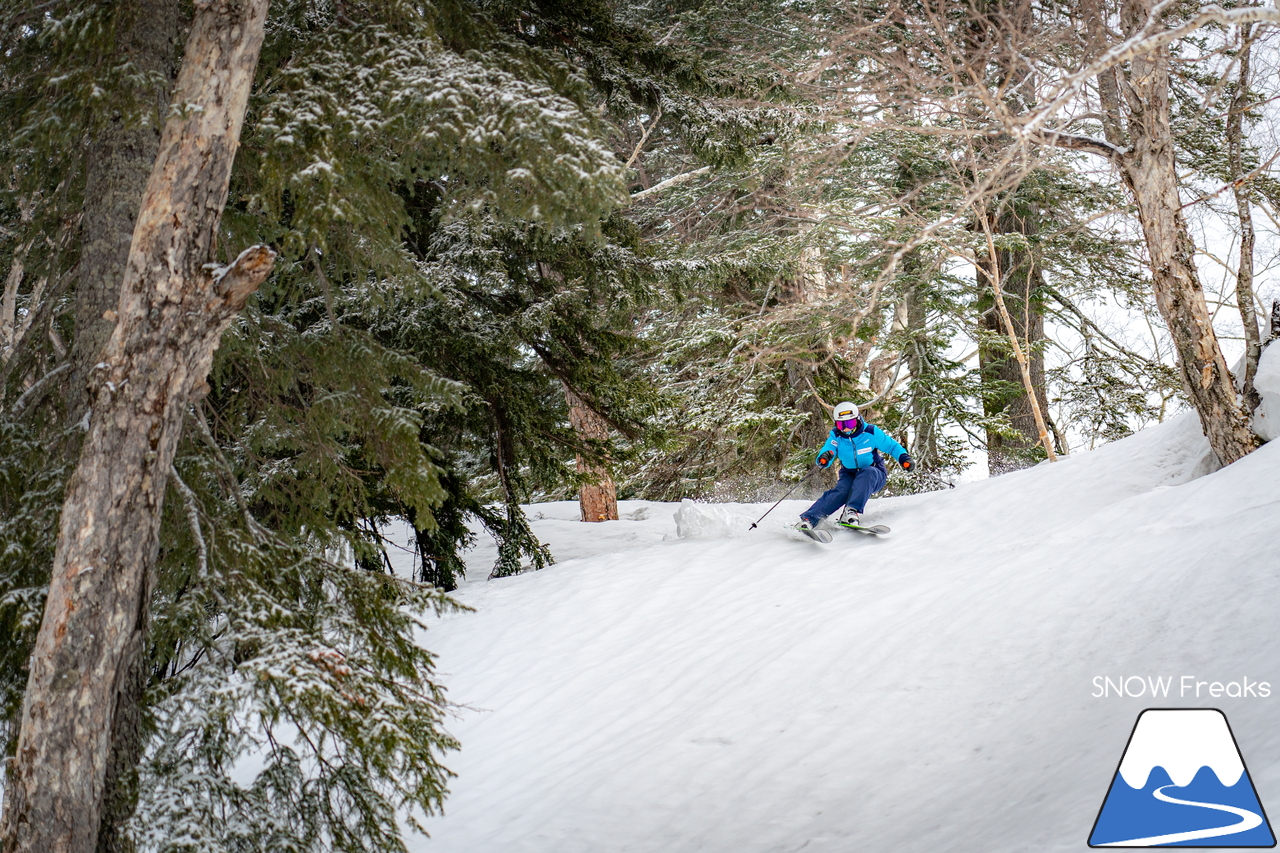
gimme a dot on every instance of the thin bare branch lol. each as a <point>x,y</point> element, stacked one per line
<point>644,137</point>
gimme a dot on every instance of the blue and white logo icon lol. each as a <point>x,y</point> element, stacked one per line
<point>1181,783</point>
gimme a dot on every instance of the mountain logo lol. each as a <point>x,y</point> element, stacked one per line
<point>1181,783</point>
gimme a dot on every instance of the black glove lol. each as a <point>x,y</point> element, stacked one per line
<point>825,459</point>
<point>906,462</point>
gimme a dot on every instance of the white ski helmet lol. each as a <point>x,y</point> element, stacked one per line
<point>844,412</point>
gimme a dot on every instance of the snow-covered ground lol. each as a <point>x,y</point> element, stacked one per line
<point>734,691</point>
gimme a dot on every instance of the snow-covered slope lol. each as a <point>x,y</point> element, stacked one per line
<point>928,691</point>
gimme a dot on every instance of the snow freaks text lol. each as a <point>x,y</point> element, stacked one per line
<point>1184,687</point>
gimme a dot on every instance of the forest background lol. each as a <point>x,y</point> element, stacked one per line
<point>519,251</point>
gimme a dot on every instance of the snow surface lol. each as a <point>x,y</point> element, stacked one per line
<point>1266,418</point>
<point>1181,742</point>
<point>736,691</point>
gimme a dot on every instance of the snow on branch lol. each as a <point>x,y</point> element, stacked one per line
<point>1077,143</point>
<point>668,183</point>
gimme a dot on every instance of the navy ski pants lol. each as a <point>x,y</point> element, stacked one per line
<point>854,488</point>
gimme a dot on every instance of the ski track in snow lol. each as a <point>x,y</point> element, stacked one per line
<point>927,691</point>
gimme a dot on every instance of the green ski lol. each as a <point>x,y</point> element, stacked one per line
<point>874,530</point>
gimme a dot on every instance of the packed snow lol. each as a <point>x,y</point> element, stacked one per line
<point>678,682</point>
<point>1266,418</point>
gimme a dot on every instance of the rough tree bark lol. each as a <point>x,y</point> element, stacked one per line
<point>118,163</point>
<point>598,498</point>
<point>171,315</point>
<point>1149,170</point>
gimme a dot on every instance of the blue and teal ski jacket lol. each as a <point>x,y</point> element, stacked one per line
<point>858,450</point>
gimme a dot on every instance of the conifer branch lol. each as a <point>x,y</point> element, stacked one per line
<point>1234,184</point>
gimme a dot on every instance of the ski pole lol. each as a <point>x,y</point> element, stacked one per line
<point>784,497</point>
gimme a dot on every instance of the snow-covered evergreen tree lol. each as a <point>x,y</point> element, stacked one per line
<point>412,170</point>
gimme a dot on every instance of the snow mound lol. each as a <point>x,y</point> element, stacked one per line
<point>1266,418</point>
<point>709,521</point>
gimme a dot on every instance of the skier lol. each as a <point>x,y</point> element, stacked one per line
<point>858,445</point>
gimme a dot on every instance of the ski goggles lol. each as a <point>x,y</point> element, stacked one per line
<point>847,426</point>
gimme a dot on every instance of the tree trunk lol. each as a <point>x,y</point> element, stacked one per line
<point>1012,370</point>
<point>117,165</point>
<point>1149,170</point>
<point>504,460</point>
<point>798,376</point>
<point>808,285</point>
<point>172,313</point>
<point>9,326</point>
<point>924,408</point>
<point>598,498</point>
<point>128,741</point>
<point>1244,209</point>
<point>1020,323</point>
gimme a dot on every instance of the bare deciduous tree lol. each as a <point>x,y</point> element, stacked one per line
<point>1148,166</point>
<point>938,58</point>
